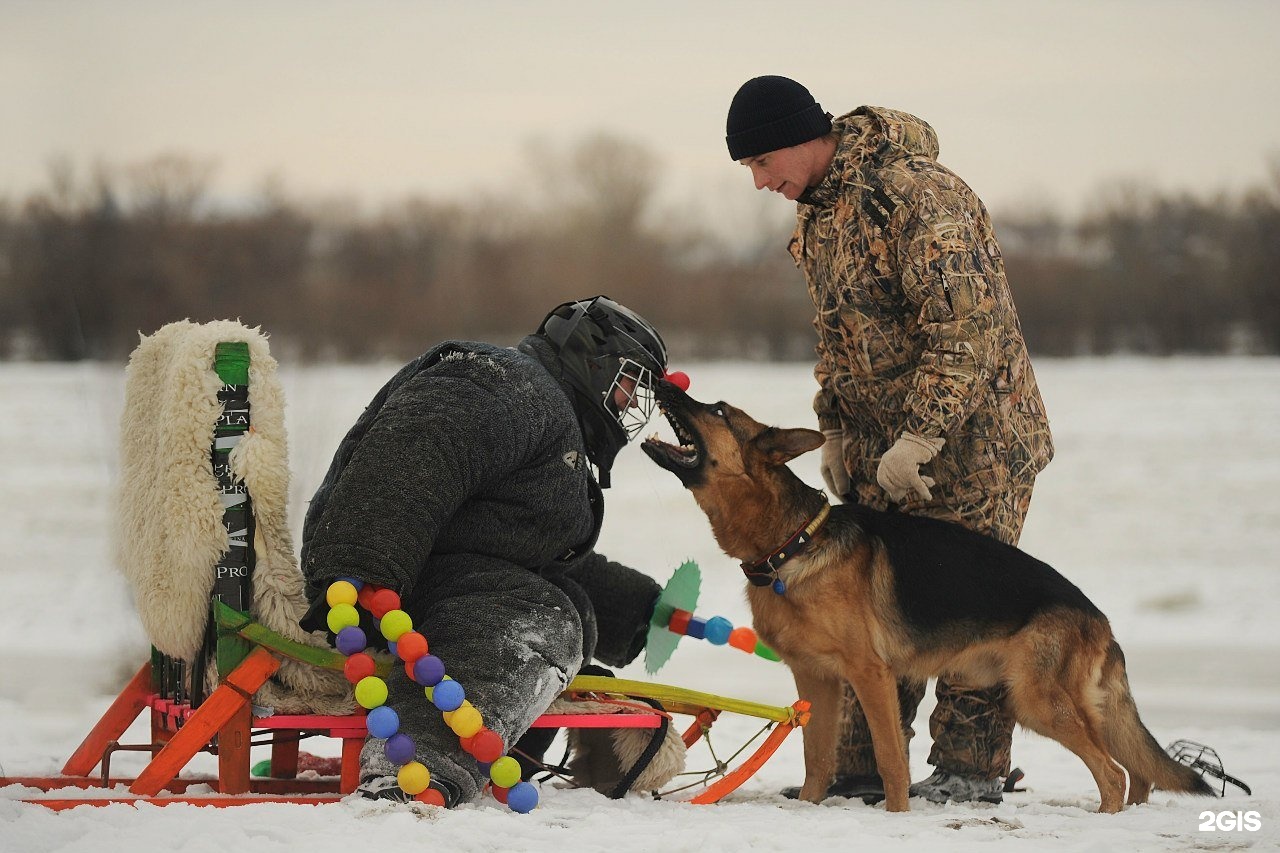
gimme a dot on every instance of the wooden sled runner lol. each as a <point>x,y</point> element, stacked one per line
<point>250,656</point>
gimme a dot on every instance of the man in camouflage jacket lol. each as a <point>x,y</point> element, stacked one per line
<point>921,366</point>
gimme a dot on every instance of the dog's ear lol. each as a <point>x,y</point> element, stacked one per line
<point>783,445</point>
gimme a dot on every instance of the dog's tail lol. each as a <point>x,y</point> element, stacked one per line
<point>1132,744</point>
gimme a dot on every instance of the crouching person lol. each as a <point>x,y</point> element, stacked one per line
<point>467,486</point>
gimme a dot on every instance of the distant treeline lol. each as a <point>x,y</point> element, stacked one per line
<point>89,263</point>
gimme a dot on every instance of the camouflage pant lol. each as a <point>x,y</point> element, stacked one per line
<point>972,733</point>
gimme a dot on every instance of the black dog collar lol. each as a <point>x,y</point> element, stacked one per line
<point>765,572</point>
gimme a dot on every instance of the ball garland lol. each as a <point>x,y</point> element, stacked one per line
<point>427,670</point>
<point>719,632</point>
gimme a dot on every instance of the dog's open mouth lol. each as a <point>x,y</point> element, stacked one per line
<point>685,454</point>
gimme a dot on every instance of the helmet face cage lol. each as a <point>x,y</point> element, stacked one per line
<point>632,388</point>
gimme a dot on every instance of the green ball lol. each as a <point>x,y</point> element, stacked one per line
<point>342,616</point>
<point>371,692</point>
<point>505,772</point>
<point>395,623</point>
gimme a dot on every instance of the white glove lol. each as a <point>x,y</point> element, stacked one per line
<point>899,471</point>
<point>834,474</point>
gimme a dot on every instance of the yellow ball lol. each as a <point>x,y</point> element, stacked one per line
<point>340,592</point>
<point>414,778</point>
<point>395,623</point>
<point>466,721</point>
<point>505,772</point>
<point>371,692</point>
<point>342,616</point>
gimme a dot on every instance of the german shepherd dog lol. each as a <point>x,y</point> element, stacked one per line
<point>846,593</point>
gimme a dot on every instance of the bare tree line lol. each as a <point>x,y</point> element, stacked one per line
<point>88,263</point>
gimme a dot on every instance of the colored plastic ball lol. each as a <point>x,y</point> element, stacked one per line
<point>428,670</point>
<point>487,745</point>
<point>466,721</point>
<point>371,692</point>
<point>340,592</point>
<point>743,639</point>
<point>351,639</point>
<point>678,378</point>
<point>366,594</point>
<point>410,646</point>
<point>355,582</point>
<point>414,778</point>
<point>383,602</point>
<point>342,616</point>
<point>448,695</point>
<point>394,623</point>
<point>359,667</point>
<point>431,797</point>
<point>399,748</point>
<point>499,794</point>
<point>382,721</point>
<point>505,772</point>
<point>718,630</point>
<point>522,797</point>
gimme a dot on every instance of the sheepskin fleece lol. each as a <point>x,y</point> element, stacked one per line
<point>601,757</point>
<point>170,532</point>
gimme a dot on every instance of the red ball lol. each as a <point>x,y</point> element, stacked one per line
<point>365,596</point>
<point>410,646</point>
<point>499,794</point>
<point>383,602</point>
<point>678,378</point>
<point>358,666</point>
<point>431,797</point>
<point>486,745</point>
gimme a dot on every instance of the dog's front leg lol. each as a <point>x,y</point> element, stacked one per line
<point>877,693</point>
<point>823,694</point>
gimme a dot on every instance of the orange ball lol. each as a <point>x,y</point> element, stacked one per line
<point>410,646</point>
<point>743,639</point>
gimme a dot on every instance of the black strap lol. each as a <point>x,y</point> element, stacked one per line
<point>646,758</point>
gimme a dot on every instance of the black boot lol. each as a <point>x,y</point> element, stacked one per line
<point>869,789</point>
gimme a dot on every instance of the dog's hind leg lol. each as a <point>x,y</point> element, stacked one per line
<point>823,693</point>
<point>1050,710</point>
<point>878,695</point>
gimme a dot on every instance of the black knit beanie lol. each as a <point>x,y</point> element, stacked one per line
<point>772,112</point>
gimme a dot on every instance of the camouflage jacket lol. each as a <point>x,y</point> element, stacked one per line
<point>917,330</point>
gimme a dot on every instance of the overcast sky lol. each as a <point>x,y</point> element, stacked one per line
<point>379,99</point>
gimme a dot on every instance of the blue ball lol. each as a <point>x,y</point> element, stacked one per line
<point>399,749</point>
<point>448,695</point>
<point>718,630</point>
<point>358,584</point>
<point>522,797</point>
<point>428,670</point>
<point>382,721</point>
<point>351,640</point>
<point>391,647</point>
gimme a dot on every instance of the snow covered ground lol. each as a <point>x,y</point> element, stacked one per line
<point>1163,505</point>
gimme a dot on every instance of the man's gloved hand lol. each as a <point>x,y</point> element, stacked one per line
<point>899,471</point>
<point>834,474</point>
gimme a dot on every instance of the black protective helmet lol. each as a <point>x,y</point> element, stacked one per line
<point>605,348</point>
